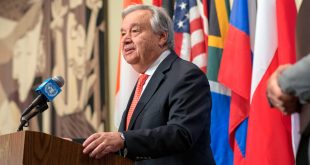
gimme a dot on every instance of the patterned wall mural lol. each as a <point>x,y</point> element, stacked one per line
<point>46,38</point>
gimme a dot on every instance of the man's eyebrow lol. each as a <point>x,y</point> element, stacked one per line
<point>135,24</point>
<point>131,26</point>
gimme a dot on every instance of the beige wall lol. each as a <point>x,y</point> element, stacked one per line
<point>113,26</point>
<point>114,22</point>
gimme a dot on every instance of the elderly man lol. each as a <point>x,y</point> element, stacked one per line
<point>167,120</point>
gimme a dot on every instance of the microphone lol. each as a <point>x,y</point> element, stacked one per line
<point>47,91</point>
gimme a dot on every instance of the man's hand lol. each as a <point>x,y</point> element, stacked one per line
<point>102,143</point>
<point>290,103</point>
<point>278,99</point>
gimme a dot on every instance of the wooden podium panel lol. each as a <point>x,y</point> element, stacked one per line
<point>31,148</point>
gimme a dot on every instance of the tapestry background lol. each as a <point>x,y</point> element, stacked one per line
<point>41,39</point>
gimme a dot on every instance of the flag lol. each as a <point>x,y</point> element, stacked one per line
<point>157,3</point>
<point>189,33</point>
<point>269,131</point>
<point>218,20</point>
<point>127,3</point>
<point>235,73</point>
<point>168,5</point>
<point>125,80</point>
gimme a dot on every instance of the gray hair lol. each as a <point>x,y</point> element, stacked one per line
<point>160,21</point>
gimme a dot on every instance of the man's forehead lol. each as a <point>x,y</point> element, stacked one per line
<point>136,18</point>
<point>141,14</point>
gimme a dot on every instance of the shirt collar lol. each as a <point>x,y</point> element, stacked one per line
<point>150,71</point>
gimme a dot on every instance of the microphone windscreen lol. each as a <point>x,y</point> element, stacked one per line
<point>59,80</point>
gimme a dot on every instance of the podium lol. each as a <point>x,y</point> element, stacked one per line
<point>28,147</point>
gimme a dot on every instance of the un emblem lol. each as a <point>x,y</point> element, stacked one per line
<point>50,90</point>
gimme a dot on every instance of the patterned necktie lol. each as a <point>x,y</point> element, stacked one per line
<point>136,97</point>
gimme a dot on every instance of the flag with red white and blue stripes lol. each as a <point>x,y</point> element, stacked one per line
<point>190,29</point>
<point>236,65</point>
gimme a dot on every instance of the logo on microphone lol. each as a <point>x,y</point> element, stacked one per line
<point>51,90</point>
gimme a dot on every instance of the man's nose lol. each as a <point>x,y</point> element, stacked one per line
<point>127,39</point>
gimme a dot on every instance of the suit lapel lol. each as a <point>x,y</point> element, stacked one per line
<point>152,86</point>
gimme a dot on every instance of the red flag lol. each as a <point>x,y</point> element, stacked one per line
<point>126,3</point>
<point>236,65</point>
<point>269,131</point>
<point>157,3</point>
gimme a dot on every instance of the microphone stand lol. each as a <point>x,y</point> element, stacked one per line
<point>41,99</point>
<point>25,119</point>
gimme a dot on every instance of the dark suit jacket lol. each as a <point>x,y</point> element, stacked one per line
<point>171,122</point>
<point>303,49</point>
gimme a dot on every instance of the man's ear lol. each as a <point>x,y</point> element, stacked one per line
<point>163,37</point>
